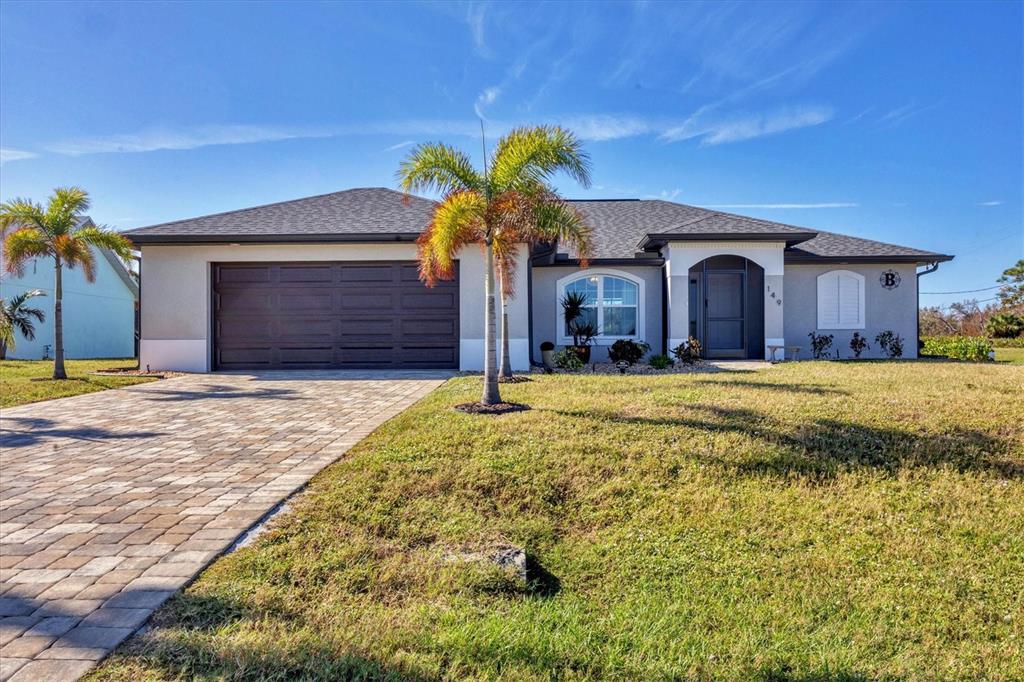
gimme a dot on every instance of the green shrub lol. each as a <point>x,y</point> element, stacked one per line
<point>1009,343</point>
<point>820,343</point>
<point>567,359</point>
<point>628,351</point>
<point>688,352</point>
<point>661,361</point>
<point>891,344</point>
<point>1005,326</point>
<point>973,348</point>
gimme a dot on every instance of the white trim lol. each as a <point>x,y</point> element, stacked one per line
<point>822,312</point>
<point>471,354</point>
<point>182,355</point>
<point>601,340</point>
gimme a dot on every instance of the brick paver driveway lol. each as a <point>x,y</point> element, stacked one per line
<point>112,501</point>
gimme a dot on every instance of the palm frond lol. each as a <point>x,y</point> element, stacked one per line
<point>65,208</point>
<point>105,238</point>
<point>527,156</point>
<point>22,245</point>
<point>558,221</point>
<point>437,166</point>
<point>506,259</point>
<point>458,220</point>
<point>75,253</point>
<point>19,213</point>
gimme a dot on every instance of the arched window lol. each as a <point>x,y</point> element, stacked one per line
<point>841,300</point>
<point>614,303</point>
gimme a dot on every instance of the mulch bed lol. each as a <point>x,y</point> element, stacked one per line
<point>131,372</point>
<point>497,408</point>
<point>516,379</point>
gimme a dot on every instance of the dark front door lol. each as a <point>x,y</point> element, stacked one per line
<point>332,315</point>
<point>724,314</point>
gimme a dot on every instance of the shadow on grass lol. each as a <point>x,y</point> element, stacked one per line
<point>821,448</point>
<point>186,641</point>
<point>766,385</point>
<point>540,582</point>
<point>784,674</point>
<point>24,431</point>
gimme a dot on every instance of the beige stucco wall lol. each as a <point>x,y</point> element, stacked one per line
<point>177,319</point>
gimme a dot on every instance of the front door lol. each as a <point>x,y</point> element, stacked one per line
<point>724,306</point>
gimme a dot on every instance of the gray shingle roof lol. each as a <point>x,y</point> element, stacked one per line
<point>365,211</point>
<point>619,226</point>
<point>832,245</point>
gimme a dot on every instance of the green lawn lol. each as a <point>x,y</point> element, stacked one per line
<point>1011,355</point>
<point>29,381</point>
<point>812,521</point>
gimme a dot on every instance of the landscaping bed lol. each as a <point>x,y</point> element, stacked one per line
<point>819,521</point>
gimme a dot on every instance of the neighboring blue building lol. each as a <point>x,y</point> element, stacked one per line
<point>99,317</point>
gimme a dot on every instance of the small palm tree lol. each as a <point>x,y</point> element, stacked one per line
<point>62,232</point>
<point>510,203</point>
<point>15,315</point>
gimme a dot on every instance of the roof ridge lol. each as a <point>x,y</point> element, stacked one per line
<point>273,203</point>
<point>873,241</point>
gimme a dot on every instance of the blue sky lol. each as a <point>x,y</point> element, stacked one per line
<point>898,122</point>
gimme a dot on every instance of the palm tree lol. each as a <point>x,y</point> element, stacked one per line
<point>510,203</point>
<point>62,232</point>
<point>16,316</point>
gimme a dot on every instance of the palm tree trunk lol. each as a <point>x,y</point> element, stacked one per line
<point>490,396</point>
<point>506,357</point>
<point>58,325</point>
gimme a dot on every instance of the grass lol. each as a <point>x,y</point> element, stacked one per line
<point>813,521</point>
<point>29,381</point>
<point>1012,355</point>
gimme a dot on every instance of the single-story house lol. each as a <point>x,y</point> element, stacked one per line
<point>99,316</point>
<point>331,282</point>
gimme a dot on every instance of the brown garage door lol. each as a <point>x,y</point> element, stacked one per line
<point>332,316</point>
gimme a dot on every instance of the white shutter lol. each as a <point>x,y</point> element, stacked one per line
<point>828,301</point>
<point>840,300</point>
<point>849,300</point>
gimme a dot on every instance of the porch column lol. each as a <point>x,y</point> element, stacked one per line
<point>677,272</point>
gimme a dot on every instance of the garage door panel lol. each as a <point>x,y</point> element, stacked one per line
<point>293,327</point>
<point>288,274</point>
<point>320,301</point>
<point>368,273</point>
<point>429,300</point>
<point>371,301</point>
<point>233,302</point>
<point>332,315</point>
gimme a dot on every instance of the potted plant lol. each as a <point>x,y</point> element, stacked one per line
<point>547,350</point>
<point>583,333</point>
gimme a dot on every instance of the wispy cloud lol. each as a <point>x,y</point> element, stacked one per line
<point>400,145</point>
<point>819,205</point>
<point>895,117</point>
<point>712,128</point>
<point>708,129</point>
<point>194,137</point>
<point>991,203</point>
<point>154,139</point>
<point>476,19</point>
<point>665,194</point>
<point>485,99</point>
<point>8,155</point>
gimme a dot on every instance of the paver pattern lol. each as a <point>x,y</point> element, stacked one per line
<point>112,501</point>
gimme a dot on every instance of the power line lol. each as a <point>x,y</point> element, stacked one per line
<point>966,291</point>
<point>946,307</point>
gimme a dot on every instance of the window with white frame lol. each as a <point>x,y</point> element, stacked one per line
<point>614,303</point>
<point>840,300</point>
